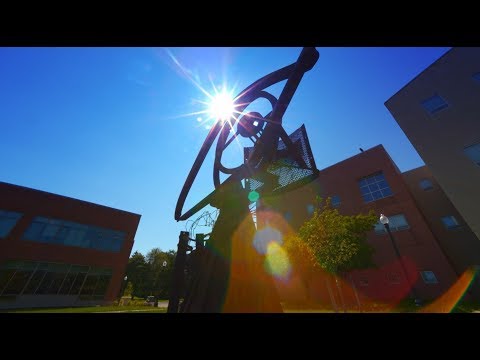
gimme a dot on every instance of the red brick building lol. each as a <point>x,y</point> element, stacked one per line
<point>59,251</point>
<point>367,181</point>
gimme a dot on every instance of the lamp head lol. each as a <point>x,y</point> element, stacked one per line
<point>383,219</point>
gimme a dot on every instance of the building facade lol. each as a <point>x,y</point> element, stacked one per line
<point>453,234</point>
<point>372,181</point>
<point>438,111</point>
<point>57,251</point>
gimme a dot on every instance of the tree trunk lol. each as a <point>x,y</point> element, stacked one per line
<point>356,294</point>
<point>330,293</point>
<point>340,293</point>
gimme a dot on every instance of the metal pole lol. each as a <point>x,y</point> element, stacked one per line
<point>178,273</point>
<point>397,252</point>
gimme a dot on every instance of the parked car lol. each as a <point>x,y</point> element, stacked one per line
<point>150,300</point>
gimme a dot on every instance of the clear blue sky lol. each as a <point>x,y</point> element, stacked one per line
<point>110,125</point>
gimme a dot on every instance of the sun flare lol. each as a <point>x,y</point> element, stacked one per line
<point>221,106</point>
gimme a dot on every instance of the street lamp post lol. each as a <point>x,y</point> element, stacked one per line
<point>164,265</point>
<point>122,287</point>
<point>384,220</point>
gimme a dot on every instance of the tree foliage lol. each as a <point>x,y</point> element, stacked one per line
<point>151,274</point>
<point>335,242</point>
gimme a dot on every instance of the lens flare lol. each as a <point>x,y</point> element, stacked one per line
<point>221,106</point>
<point>253,196</point>
<point>264,237</point>
<point>447,302</point>
<point>276,261</point>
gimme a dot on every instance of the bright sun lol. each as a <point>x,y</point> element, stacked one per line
<point>221,106</point>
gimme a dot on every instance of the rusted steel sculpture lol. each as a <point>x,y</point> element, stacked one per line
<point>230,274</point>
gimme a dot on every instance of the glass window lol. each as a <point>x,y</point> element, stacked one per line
<point>34,230</point>
<point>336,201</point>
<point>396,223</point>
<point>426,184</point>
<point>473,153</point>
<point>102,285</point>
<point>35,282</point>
<point>17,283</point>
<point>89,285</point>
<point>49,232</point>
<point>429,277</point>
<point>450,222</point>
<point>8,219</point>
<point>76,237</point>
<point>376,189</point>
<point>310,209</point>
<point>67,283</point>
<point>5,276</point>
<point>434,104</point>
<point>73,234</point>
<point>46,283</point>
<point>56,282</point>
<point>77,285</point>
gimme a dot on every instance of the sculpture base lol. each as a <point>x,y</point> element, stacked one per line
<point>230,274</point>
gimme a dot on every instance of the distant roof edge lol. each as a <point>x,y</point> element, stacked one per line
<point>66,197</point>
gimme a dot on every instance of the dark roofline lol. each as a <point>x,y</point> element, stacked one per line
<point>418,167</point>
<point>67,197</point>
<point>420,73</point>
<point>379,146</point>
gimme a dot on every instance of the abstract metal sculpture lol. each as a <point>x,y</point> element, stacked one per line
<point>230,274</point>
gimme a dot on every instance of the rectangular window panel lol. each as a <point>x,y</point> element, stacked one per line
<point>67,283</point>
<point>429,277</point>
<point>69,233</point>
<point>426,184</point>
<point>17,283</point>
<point>34,282</point>
<point>75,237</point>
<point>102,285</point>
<point>386,192</point>
<point>46,283</point>
<point>336,200</point>
<point>77,285</point>
<point>364,190</point>
<point>8,219</point>
<point>49,232</point>
<point>473,153</point>
<point>376,189</point>
<point>450,222</point>
<point>396,223</point>
<point>5,276</point>
<point>33,231</point>
<point>367,197</point>
<point>89,285</point>
<point>56,283</point>
<point>434,104</point>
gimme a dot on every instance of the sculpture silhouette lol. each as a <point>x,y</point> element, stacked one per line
<point>229,274</point>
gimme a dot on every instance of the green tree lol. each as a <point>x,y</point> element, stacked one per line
<point>160,275</point>
<point>334,242</point>
<point>137,272</point>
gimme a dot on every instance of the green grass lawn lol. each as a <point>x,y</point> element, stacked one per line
<point>97,309</point>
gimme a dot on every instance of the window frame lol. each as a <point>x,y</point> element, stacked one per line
<point>366,183</point>
<point>475,144</point>
<point>393,228</point>
<point>428,188</point>
<point>425,280</point>
<point>6,216</point>
<point>445,105</point>
<point>455,221</point>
